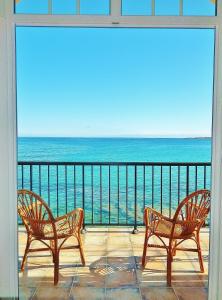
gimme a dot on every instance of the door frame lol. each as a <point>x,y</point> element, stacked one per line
<point>8,125</point>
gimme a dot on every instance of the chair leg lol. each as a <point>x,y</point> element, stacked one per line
<point>174,249</point>
<point>199,253</point>
<point>81,250</point>
<point>56,269</point>
<point>56,262</point>
<point>26,253</point>
<point>145,248</point>
<point>169,265</point>
<point>51,248</point>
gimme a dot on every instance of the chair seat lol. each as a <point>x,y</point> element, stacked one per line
<point>63,229</point>
<point>163,228</point>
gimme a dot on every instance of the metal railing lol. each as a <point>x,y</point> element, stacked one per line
<point>113,193</point>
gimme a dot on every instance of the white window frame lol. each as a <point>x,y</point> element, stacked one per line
<point>8,130</point>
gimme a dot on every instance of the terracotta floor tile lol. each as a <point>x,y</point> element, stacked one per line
<point>87,293</point>
<point>26,293</point>
<point>191,293</point>
<point>124,263</point>
<point>154,279</point>
<point>116,243</point>
<point>90,277</point>
<point>95,251</point>
<point>32,277</point>
<point>160,293</point>
<point>117,277</point>
<point>93,261</point>
<point>123,293</point>
<point>95,242</point>
<point>189,280</point>
<point>137,239</point>
<point>51,293</point>
<point>119,253</point>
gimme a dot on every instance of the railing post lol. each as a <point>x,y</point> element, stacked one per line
<point>49,189</point>
<point>30,177</point>
<point>187,180</point>
<point>135,230</point>
<point>83,231</point>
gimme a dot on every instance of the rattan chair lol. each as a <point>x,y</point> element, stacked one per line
<point>52,232</point>
<point>186,223</point>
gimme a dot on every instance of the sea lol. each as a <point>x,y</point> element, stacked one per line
<point>111,194</point>
<point>114,149</point>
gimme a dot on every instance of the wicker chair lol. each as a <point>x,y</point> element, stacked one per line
<point>52,232</point>
<point>186,223</point>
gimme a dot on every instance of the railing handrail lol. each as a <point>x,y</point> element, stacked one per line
<point>121,163</point>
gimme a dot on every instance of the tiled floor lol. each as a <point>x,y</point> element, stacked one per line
<point>113,270</point>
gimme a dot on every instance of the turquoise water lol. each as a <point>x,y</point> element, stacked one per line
<point>107,201</point>
<point>115,149</point>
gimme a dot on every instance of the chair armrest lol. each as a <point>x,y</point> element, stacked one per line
<point>73,220</point>
<point>151,215</point>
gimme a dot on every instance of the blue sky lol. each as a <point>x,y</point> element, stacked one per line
<point>114,82</point>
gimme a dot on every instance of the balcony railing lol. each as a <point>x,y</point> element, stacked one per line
<point>113,193</point>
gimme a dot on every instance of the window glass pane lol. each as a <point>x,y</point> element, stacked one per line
<point>64,7</point>
<point>136,7</point>
<point>167,7</point>
<point>94,7</point>
<point>31,6</point>
<point>199,7</point>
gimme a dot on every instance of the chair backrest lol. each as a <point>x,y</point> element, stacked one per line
<point>194,208</point>
<point>34,212</point>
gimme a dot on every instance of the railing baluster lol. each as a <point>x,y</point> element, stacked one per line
<point>100,179</point>
<point>161,189</point>
<point>170,193</point>
<point>195,177</point>
<point>126,194</point>
<point>187,180</point>
<point>204,177</point>
<point>22,177</point>
<point>83,194</point>
<point>135,200</point>
<point>57,190</point>
<point>144,186</point>
<point>109,194</point>
<point>48,185</point>
<point>39,180</point>
<point>30,177</point>
<point>66,189</point>
<point>178,191</point>
<point>75,186</point>
<point>92,194</point>
<point>118,193</point>
<point>152,186</point>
